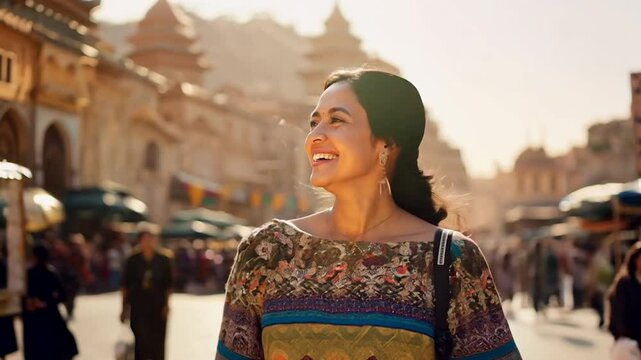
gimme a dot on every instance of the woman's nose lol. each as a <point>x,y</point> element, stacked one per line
<point>317,134</point>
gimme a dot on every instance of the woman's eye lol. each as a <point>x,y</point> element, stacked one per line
<point>337,120</point>
<point>313,123</point>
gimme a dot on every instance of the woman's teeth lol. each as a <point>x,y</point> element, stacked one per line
<point>323,156</point>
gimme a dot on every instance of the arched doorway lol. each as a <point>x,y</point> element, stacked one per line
<point>55,162</point>
<point>9,139</point>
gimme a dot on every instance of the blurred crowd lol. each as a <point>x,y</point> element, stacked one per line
<point>96,266</point>
<point>555,273</point>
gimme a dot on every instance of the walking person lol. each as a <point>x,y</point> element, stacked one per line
<point>365,278</point>
<point>537,276</point>
<point>9,343</point>
<point>46,335</point>
<point>146,285</point>
<point>600,275</point>
<point>625,298</point>
<point>504,276</point>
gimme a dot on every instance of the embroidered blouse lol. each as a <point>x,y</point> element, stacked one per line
<point>293,296</point>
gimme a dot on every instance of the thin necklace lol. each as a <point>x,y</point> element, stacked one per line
<point>333,232</point>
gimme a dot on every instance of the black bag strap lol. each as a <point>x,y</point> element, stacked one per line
<point>442,259</point>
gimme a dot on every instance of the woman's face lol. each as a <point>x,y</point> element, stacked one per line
<point>340,146</point>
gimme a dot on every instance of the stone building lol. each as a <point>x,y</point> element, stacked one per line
<point>47,62</point>
<point>533,188</point>
<point>79,115</point>
<point>336,48</point>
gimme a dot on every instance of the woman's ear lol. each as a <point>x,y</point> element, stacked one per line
<point>392,147</point>
<point>390,144</point>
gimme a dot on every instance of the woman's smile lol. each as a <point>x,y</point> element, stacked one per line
<point>323,157</point>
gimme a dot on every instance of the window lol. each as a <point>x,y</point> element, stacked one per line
<point>7,64</point>
<point>8,69</point>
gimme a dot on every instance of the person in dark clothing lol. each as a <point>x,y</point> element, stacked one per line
<point>8,344</point>
<point>46,335</point>
<point>625,298</point>
<point>146,285</point>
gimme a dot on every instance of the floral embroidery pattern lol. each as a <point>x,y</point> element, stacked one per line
<point>280,270</point>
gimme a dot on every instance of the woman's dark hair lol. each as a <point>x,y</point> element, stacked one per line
<point>396,114</point>
<point>631,259</point>
<point>629,267</point>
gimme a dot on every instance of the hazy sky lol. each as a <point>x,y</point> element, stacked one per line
<point>497,75</point>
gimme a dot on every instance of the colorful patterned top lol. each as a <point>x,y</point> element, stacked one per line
<point>294,296</point>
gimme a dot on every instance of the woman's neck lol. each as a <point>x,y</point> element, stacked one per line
<point>356,213</point>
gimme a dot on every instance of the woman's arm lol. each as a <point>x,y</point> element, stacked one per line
<point>240,332</point>
<point>476,319</point>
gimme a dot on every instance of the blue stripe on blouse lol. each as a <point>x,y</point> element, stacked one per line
<point>228,354</point>
<point>356,319</point>
<point>492,354</point>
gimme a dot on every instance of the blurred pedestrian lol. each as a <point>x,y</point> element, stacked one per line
<point>504,276</point>
<point>115,258</point>
<point>552,278</point>
<point>580,279</point>
<point>46,335</point>
<point>8,344</point>
<point>184,264</point>
<point>600,275</point>
<point>625,298</point>
<point>146,286</point>
<point>77,268</point>
<point>537,276</point>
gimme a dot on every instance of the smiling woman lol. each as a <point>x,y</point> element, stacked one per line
<point>364,279</point>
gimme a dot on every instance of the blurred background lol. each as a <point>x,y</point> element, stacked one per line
<point>192,114</point>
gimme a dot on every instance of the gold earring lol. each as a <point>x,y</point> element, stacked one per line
<point>384,182</point>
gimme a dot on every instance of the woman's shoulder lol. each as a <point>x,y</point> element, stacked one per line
<point>272,233</point>
<point>467,251</point>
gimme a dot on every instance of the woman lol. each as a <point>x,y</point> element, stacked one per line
<point>45,333</point>
<point>355,281</point>
<point>625,297</point>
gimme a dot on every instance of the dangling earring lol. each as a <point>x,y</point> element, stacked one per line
<point>384,182</point>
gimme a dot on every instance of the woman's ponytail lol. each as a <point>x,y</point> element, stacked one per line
<point>412,190</point>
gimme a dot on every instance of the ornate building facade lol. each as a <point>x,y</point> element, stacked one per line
<point>79,115</point>
<point>46,65</point>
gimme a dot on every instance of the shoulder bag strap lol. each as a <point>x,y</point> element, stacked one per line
<point>442,292</point>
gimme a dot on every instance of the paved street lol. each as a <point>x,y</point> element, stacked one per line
<point>194,322</point>
<point>562,335</point>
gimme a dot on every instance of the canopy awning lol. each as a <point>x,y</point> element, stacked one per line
<point>111,201</point>
<point>595,202</point>
<point>190,230</point>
